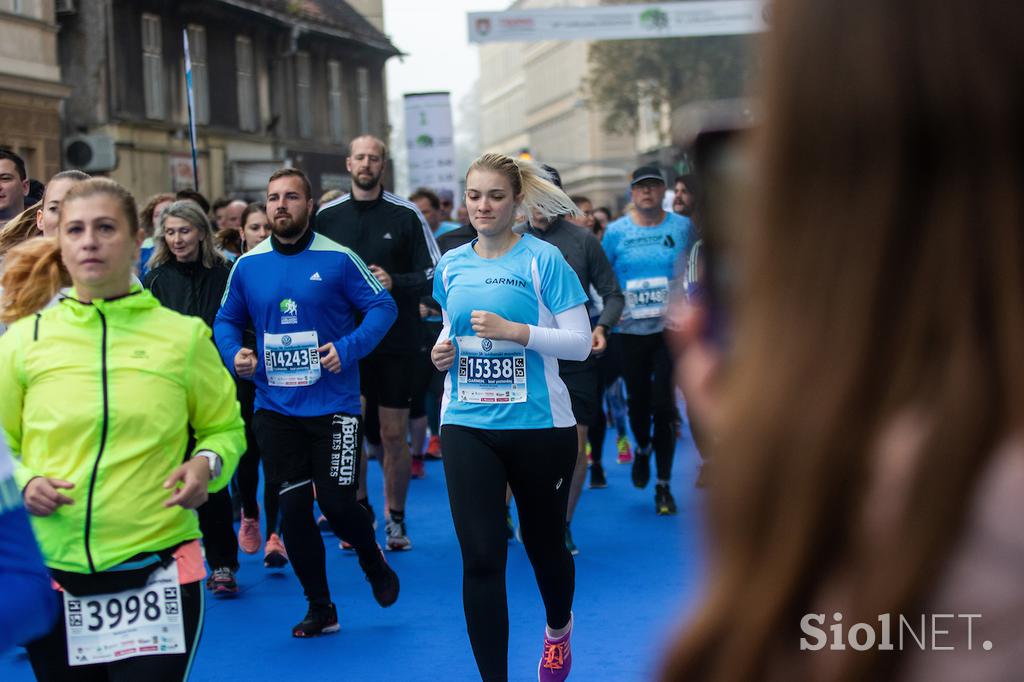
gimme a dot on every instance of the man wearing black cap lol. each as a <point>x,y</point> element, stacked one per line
<point>583,252</point>
<point>644,248</point>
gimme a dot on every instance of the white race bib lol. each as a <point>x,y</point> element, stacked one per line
<point>646,298</point>
<point>491,371</point>
<point>112,627</point>
<point>291,359</point>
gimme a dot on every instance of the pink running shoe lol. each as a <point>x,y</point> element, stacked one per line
<point>625,452</point>
<point>274,554</point>
<point>556,661</point>
<point>249,536</point>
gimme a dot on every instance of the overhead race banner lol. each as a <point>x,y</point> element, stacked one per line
<point>430,142</point>
<point>618,22</point>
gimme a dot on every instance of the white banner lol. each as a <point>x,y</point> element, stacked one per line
<point>617,22</point>
<point>429,139</point>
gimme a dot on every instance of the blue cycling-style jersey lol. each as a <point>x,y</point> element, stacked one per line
<point>646,259</point>
<point>298,298</point>
<point>29,602</point>
<point>501,384</point>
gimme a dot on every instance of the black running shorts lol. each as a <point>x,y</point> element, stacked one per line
<point>387,379</point>
<point>583,393</point>
<point>297,449</point>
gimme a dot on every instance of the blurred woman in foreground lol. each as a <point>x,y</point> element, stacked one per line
<point>870,459</point>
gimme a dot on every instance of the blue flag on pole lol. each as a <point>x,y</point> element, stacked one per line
<point>191,109</point>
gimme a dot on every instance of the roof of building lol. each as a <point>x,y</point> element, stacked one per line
<point>330,17</point>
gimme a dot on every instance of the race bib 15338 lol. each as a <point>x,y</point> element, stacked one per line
<point>491,371</point>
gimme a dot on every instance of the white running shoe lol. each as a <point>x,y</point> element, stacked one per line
<point>397,539</point>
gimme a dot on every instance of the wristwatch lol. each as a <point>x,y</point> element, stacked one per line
<point>214,459</point>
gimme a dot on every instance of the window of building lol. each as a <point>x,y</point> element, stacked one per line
<point>363,93</point>
<point>334,100</point>
<point>200,73</point>
<point>248,106</point>
<point>152,66</point>
<point>303,92</point>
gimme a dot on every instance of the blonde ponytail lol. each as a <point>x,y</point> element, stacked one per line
<point>19,229</point>
<point>33,274</point>
<point>530,180</point>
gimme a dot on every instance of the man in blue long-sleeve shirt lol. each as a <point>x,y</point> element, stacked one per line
<point>302,293</point>
<point>28,604</point>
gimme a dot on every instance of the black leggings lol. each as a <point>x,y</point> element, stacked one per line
<point>49,655</point>
<point>248,471</point>
<point>219,540</point>
<point>303,452</point>
<point>609,368</point>
<point>538,465</point>
<point>647,369</point>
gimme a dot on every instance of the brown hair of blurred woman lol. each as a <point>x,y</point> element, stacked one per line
<point>882,277</point>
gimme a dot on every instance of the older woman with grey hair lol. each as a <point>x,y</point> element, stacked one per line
<point>187,274</point>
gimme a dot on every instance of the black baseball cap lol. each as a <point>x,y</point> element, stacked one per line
<point>646,173</point>
<point>553,175</point>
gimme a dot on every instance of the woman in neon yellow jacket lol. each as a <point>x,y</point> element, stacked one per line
<point>98,393</point>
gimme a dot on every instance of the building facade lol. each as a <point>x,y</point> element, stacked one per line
<point>30,84</point>
<point>275,83</point>
<point>532,99</point>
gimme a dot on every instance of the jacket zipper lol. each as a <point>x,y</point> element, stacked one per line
<point>103,443</point>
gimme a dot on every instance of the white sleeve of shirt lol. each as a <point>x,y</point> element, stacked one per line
<point>570,340</point>
<point>446,327</point>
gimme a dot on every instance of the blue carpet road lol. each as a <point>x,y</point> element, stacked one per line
<point>637,575</point>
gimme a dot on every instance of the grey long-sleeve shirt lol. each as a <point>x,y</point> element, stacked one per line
<point>586,257</point>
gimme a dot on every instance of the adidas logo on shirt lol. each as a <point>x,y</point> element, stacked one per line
<point>315,277</point>
<point>387,235</point>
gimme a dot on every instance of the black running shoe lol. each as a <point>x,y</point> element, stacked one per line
<point>642,468</point>
<point>319,620</point>
<point>597,479</point>
<point>383,580</point>
<point>664,503</point>
<point>222,583</point>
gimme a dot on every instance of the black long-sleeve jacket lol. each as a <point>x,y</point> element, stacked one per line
<point>388,232</point>
<point>189,288</point>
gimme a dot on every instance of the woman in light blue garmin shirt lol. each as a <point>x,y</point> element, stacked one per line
<point>512,307</point>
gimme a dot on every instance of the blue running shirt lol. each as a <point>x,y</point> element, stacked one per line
<point>296,302</point>
<point>500,384</point>
<point>645,260</point>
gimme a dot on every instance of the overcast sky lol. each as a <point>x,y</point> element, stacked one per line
<point>434,35</point>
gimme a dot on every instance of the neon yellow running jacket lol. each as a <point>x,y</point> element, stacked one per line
<point>102,395</point>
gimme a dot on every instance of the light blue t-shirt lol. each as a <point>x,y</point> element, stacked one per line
<point>500,384</point>
<point>645,260</point>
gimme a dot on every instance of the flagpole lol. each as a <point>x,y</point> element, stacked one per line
<point>191,110</point>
